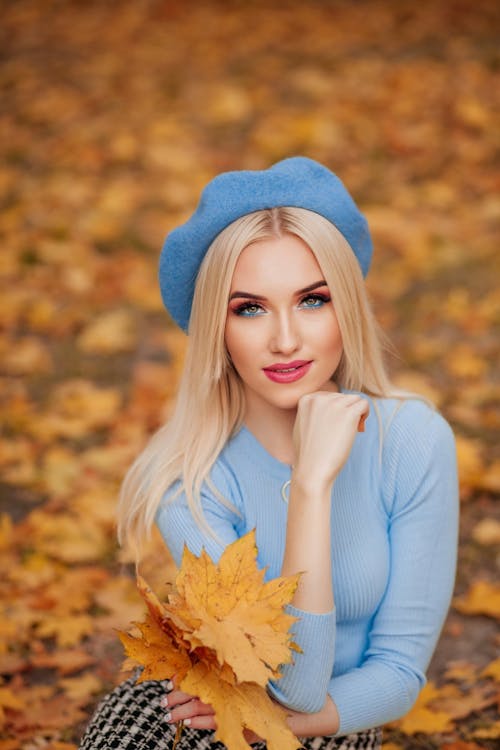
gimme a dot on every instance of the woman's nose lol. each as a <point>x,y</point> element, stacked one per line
<point>285,335</point>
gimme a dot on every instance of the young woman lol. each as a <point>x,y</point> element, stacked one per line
<point>283,367</point>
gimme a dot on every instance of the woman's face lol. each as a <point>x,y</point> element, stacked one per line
<point>281,329</point>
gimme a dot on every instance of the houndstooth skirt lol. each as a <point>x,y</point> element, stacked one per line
<point>131,718</point>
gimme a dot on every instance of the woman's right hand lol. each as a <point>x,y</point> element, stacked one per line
<point>324,431</point>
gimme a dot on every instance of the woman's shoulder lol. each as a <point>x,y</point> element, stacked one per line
<point>412,416</point>
<point>414,437</point>
<point>408,430</point>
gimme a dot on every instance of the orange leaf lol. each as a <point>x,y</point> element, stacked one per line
<point>491,732</point>
<point>492,670</point>
<point>458,704</point>
<point>423,719</point>
<point>159,655</point>
<point>232,611</point>
<point>221,636</point>
<point>244,706</point>
<point>483,598</point>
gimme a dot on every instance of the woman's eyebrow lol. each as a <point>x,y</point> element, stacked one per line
<point>250,295</point>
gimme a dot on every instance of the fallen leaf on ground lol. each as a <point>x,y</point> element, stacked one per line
<point>422,718</point>
<point>488,733</point>
<point>487,531</point>
<point>492,670</point>
<point>482,598</point>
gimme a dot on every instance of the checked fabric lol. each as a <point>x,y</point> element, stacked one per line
<point>131,718</point>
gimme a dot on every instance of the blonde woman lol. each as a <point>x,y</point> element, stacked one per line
<point>283,367</point>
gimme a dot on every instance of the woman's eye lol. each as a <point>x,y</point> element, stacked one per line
<point>248,309</point>
<point>315,300</point>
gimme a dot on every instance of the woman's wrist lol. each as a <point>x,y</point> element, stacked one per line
<point>307,485</point>
<point>323,723</point>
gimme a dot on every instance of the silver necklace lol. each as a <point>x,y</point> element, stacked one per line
<point>284,487</point>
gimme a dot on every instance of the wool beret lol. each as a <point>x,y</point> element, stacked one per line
<point>297,181</point>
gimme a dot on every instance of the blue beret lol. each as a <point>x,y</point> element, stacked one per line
<point>298,181</point>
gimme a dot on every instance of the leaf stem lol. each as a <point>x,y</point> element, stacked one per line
<point>178,734</point>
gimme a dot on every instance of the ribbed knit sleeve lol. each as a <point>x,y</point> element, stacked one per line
<point>178,526</point>
<point>304,683</point>
<point>420,496</point>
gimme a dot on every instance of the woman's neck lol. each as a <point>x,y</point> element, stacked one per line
<point>274,432</point>
<point>273,427</point>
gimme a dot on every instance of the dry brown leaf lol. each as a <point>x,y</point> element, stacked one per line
<point>487,531</point>
<point>119,597</point>
<point>461,671</point>
<point>68,630</point>
<point>422,718</point>
<point>66,537</point>
<point>81,687</point>
<point>77,408</point>
<point>113,331</point>
<point>161,657</point>
<point>459,704</point>
<point>488,733</point>
<point>490,479</point>
<point>466,363</point>
<point>482,598</point>
<point>470,462</point>
<point>492,670</point>
<point>48,712</point>
<point>27,356</point>
<point>66,661</point>
<point>9,701</point>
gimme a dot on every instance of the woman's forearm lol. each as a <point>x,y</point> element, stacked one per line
<point>319,724</point>
<point>308,546</point>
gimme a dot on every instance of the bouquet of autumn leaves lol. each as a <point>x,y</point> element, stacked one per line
<point>221,635</point>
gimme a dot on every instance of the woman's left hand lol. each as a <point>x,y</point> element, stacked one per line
<point>194,713</point>
<point>188,709</point>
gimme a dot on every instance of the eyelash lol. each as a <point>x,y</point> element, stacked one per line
<point>242,309</point>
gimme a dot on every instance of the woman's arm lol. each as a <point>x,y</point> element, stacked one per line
<point>198,715</point>
<point>421,498</point>
<point>324,432</point>
<point>325,428</point>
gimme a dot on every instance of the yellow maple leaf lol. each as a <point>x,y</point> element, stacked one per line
<point>160,655</point>
<point>221,635</point>
<point>243,706</point>
<point>231,610</point>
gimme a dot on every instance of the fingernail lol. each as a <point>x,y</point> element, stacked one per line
<point>168,716</point>
<point>164,701</point>
<point>187,722</point>
<point>170,685</point>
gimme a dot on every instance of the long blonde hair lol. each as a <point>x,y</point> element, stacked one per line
<point>210,403</point>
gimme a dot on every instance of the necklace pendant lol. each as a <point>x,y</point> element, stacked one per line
<point>284,487</point>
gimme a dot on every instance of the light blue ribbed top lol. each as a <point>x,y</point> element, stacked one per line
<point>394,533</point>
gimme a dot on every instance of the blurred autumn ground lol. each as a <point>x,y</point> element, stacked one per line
<point>113,117</point>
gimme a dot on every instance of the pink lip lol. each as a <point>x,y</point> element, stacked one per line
<point>276,372</point>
